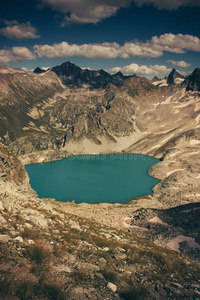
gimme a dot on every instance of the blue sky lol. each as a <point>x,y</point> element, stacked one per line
<point>146,37</point>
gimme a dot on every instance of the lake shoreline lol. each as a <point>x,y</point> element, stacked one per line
<point>130,178</point>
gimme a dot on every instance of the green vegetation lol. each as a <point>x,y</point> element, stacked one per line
<point>29,291</point>
<point>110,275</point>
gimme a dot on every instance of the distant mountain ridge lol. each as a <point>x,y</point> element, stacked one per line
<point>72,75</point>
<point>190,82</point>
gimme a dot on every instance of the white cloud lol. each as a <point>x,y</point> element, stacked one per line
<point>139,49</point>
<point>16,54</point>
<point>180,63</point>
<point>153,48</point>
<point>17,31</point>
<point>86,11</point>
<point>176,43</point>
<point>141,70</point>
<point>168,4</point>
<point>105,50</point>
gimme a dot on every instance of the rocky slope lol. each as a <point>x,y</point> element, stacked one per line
<point>20,93</point>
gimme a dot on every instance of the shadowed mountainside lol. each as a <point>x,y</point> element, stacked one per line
<point>74,76</point>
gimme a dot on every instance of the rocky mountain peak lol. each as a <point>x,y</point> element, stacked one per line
<point>155,78</point>
<point>134,75</point>
<point>193,81</point>
<point>39,71</point>
<point>119,74</point>
<point>72,75</point>
<point>67,69</point>
<point>173,75</point>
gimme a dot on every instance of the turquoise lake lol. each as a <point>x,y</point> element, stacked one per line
<point>94,178</point>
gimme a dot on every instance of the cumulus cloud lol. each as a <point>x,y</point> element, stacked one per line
<point>86,11</point>
<point>16,54</point>
<point>180,63</point>
<point>176,43</point>
<point>140,49</point>
<point>168,4</point>
<point>93,11</point>
<point>104,50</point>
<point>141,70</point>
<point>17,31</point>
<point>153,48</point>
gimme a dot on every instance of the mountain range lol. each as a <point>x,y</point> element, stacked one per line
<point>47,110</point>
<point>72,75</point>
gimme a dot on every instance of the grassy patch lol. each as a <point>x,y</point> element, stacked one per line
<point>110,275</point>
<point>82,275</point>
<point>52,291</point>
<point>104,242</point>
<point>135,293</point>
<point>33,234</point>
<point>5,254</point>
<point>27,290</point>
<point>39,256</point>
<point>59,250</point>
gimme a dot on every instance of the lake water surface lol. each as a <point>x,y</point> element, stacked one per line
<point>94,178</point>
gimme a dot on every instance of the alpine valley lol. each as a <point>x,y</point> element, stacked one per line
<point>148,248</point>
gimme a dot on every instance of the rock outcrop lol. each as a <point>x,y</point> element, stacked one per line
<point>192,82</point>
<point>11,168</point>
